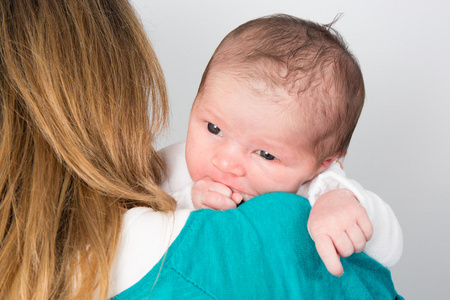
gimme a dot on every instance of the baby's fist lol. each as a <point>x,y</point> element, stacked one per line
<point>339,226</point>
<point>214,195</point>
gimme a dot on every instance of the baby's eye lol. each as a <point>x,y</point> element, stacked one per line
<point>265,155</point>
<point>214,129</point>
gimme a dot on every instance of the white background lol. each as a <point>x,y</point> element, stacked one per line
<point>401,146</point>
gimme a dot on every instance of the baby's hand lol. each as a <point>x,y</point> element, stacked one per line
<point>214,195</point>
<point>339,226</point>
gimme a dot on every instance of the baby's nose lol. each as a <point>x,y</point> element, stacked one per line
<point>228,164</point>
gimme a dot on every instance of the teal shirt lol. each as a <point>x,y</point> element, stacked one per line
<point>261,250</point>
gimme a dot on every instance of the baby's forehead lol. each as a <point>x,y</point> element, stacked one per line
<point>266,76</point>
<point>299,98</point>
<point>296,99</point>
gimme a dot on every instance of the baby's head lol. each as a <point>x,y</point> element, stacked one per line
<point>277,103</point>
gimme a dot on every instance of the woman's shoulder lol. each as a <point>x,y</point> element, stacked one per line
<point>146,236</point>
<point>260,250</point>
<point>216,245</point>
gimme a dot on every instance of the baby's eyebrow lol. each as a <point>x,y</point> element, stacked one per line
<point>211,112</point>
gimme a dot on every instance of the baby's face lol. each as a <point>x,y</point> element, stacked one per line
<point>247,141</point>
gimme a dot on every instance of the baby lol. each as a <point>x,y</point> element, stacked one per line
<point>276,107</point>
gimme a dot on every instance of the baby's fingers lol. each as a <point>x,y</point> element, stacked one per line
<point>366,227</point>
<point>237,198</point>
<point>217,201</point>
<point>219,188</point>
<point>343,244</point>
<point>357,238</point>
<point>328,254</point>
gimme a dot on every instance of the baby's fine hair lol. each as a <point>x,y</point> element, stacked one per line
<point>311,62</point>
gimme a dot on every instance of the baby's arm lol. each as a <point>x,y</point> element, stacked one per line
<point>386,243</point>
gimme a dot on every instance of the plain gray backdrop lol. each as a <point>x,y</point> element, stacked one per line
<point>401,147</point>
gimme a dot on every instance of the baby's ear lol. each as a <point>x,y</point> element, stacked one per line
<point>327,162</point>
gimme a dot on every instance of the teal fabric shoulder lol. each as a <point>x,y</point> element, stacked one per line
<point>261,250</point>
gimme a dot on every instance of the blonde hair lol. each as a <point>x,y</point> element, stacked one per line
<point>311,62</point>
<point>82,99</point>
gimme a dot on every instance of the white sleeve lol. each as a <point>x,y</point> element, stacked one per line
<point>146,236</point>
<point>386,244</point>
<point>178,183</point>
<point>184,198</point>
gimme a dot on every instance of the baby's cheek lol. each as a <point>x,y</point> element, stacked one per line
<point>263,189</point>
<point>278,186</point>
<point>193,170</point>
<point>195,173</point>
